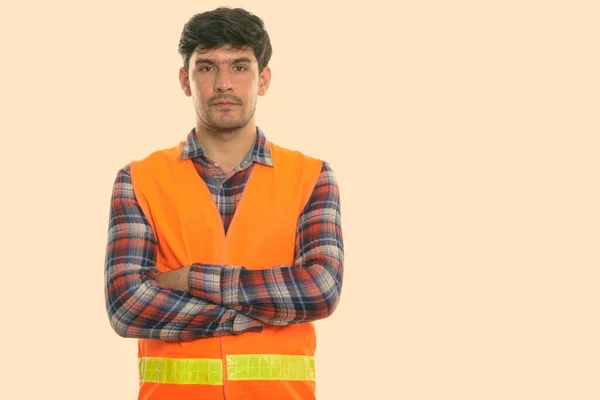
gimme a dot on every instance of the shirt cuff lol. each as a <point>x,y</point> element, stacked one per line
<point>218,284</point>
<point>205,282</point>
<point>231,286</point>
<point>243,323</point>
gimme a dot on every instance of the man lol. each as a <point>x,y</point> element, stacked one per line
<point>223,249</point>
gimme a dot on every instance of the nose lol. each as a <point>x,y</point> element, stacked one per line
<point>223,81</point>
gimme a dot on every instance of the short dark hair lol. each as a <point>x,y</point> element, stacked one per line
<point>225,26</point>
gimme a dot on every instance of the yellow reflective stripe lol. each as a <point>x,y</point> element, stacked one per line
<point>270,367</point>
<point>209,371</point>
<point>183,371</point>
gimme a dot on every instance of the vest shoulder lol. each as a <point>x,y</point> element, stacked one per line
<point>286,154</point>
<point>160,156</point>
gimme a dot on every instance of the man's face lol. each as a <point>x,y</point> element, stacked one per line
<point>224,84</point>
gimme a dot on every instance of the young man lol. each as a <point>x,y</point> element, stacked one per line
<point>223,249</point>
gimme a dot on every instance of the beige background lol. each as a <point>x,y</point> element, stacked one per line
<point>464,136</point>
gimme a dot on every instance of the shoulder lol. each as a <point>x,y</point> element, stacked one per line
<point>155,164</point>
<point>172,153</point>
<point>327,175</point>
<point>123,181</point>
<point>123,175</point>
<point>284,155</point>
<point>161,154</point>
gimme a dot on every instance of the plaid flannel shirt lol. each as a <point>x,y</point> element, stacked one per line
<point>223,299</point>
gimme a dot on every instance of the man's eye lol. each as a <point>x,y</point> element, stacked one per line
<point>239,68</point>
<point>205,69</point>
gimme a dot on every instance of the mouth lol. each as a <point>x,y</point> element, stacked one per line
<point>227,104</point>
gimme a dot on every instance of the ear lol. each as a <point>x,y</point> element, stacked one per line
<point>184,81</point>
<point>264,81</point>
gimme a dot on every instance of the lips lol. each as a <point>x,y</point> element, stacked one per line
<point>224,101</point>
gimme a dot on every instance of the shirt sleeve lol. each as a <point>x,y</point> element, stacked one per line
<point>137,307</point>
<point>307,291</point>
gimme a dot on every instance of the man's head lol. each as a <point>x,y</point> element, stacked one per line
<point>225,66</point>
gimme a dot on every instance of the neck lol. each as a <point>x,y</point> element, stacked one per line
<point>228,148</point>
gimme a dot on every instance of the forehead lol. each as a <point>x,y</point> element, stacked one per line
<point>223,54</point>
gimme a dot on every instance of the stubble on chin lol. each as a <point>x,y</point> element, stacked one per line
<point>226,127</point>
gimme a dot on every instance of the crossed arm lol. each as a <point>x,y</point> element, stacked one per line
<point>203,300</point>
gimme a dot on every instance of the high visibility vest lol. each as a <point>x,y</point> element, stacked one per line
<point>277,363</point>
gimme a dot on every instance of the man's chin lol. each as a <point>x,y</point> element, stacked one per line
<point>227,127</point>
<point>224,124</point>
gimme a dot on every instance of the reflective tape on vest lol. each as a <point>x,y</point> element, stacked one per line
<point>209,371</point>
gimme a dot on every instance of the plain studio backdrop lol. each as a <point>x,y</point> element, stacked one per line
<point>464,137</point>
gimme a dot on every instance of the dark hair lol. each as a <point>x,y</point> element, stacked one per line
<point>225,26</point>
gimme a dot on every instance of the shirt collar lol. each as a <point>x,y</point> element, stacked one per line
<point>261,152</point>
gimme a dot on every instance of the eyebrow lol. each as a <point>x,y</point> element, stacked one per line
<point>234,61</point>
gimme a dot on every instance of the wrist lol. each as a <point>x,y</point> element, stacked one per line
<point>177,279</point>
<point>184,280</point>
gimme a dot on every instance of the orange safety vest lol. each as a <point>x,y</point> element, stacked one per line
<point>277,363</point>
